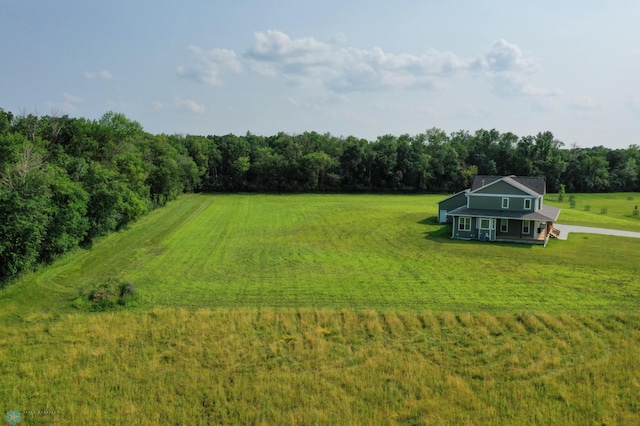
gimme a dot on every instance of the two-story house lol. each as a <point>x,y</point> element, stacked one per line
<point>497,208</point>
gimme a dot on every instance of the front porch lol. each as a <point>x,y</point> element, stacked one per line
<point>539,234</point>
<point>501,229</point>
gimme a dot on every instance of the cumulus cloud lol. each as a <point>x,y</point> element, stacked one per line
<point>505,56</point>
<point>584,103</point>
<point>92,75</point>
<point>343,69</point>
<point>206,66</point>
<point>190,105</point>
<point>335,67</point>
<point>509,71</point>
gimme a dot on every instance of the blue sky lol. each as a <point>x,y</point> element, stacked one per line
<point>362,68</point>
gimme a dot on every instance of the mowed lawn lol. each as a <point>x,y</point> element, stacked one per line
<point>380,252</point>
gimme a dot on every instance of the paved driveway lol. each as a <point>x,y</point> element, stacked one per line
<point>566,229</point>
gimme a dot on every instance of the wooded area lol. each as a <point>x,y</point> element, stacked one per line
<point>65,181</point>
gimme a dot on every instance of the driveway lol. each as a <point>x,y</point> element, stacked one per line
<point>566,229</point>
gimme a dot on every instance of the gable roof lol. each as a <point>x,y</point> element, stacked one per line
<point>526,183</point>
<point>451,196</point>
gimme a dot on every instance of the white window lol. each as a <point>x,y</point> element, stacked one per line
<point>527,203</point>
<point>485,223</point>
<point>504,225</point>
<point>526,226</point>
<point>464,224</point>
<point>505,203</point>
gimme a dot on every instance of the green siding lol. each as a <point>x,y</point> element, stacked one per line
<point>471,234</point>
<point>453,202</point>
<point>495,203</point>
<point>514,228</point>
<point>485,203</point>
<point>501,188</point>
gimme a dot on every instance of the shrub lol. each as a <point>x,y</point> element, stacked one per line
<point>127,290</point>
<point>106,295</point>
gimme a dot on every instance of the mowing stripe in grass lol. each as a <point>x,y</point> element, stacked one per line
<point>380,252</point>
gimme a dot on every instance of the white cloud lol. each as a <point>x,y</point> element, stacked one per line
<point>508,71</point>
<point>92,75</point>
<point>190,105</point>
<point>583,103</point>
<point>306,61</point>
<point>505,56</point>
<point>68,105</point>
<point>338,68</point>
<point>207,66</point>
<point>277,46</point>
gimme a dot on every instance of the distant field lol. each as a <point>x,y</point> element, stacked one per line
<point>618,207</point>
<point>330,309</point>
<point>340,251</point>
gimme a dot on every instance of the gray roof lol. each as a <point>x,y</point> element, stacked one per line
<point>546,213</point>
<point>536,184</point>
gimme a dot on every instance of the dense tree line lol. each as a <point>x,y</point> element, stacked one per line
<point>65,181</point>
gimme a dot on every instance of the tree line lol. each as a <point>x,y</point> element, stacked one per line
<point>65,181</point>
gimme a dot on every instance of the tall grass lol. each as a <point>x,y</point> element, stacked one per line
<point>322,366</point>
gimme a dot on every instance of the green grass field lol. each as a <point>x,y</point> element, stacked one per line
<point>337,251</point>
<point>619,210</point>
<point>348,309</point>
